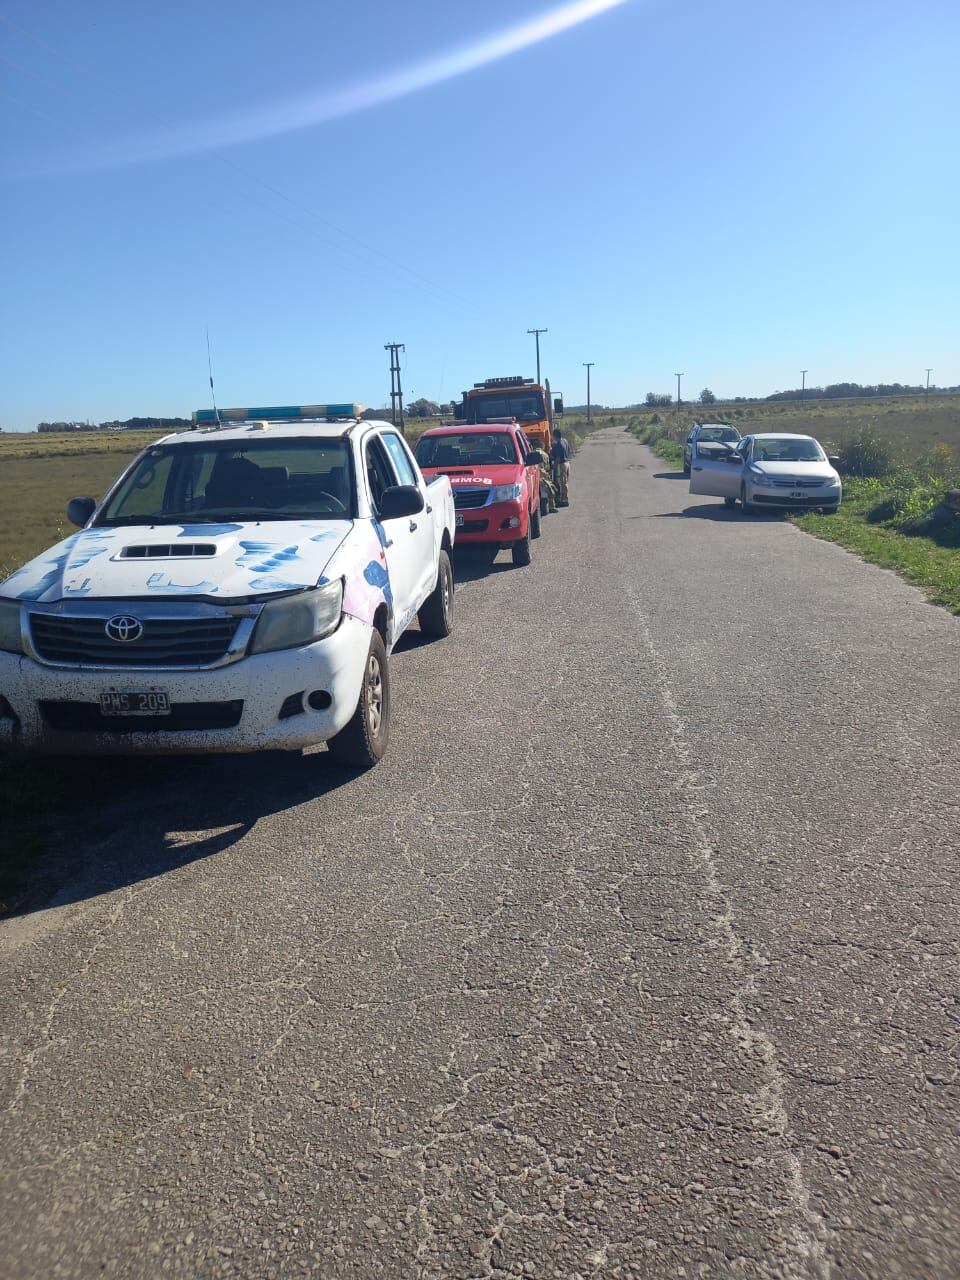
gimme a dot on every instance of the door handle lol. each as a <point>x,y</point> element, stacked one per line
<point>429,511</point>
<point>413,525</point>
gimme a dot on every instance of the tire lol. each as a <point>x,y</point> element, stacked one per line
<point>544,503</point>
<point>686,467</point>
<point>521,552</point>
<point>436,612</point>
<point>747,507</point>
<point>729,502</point>
<point>363,741</point>
<point>831,511</point>
<point>535,523</point>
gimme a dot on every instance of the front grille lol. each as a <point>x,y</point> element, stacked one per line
<point>466,498</point>
<point>473,526</point>
<point>166,642</point>
<point>798,484</point>
<point>85,717</point>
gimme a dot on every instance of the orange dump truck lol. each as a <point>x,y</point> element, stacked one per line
<point>500,399</point>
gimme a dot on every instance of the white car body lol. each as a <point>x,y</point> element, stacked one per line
<point>760,480</point>
<point>213,580</point>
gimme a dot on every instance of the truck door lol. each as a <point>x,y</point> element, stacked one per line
<point>714,471</point>
<point>425,525</point>
<point>400,547</point>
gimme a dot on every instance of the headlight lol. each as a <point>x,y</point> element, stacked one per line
<point>757,476</point>
<point>10,626</point>
<point>298,620</point>
<point>832,482</point>
<point>506,492</point>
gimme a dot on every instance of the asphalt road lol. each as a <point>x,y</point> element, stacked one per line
<point>637,956</point>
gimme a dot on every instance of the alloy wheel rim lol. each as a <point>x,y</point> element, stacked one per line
<point>374,695</point>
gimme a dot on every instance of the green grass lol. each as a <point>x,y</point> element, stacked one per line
<point>886,520</point>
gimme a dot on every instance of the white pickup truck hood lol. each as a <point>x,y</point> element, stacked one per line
<point>216,561</point>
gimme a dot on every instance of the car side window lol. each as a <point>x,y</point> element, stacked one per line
<point>398,456</point>
<point>379,473</point>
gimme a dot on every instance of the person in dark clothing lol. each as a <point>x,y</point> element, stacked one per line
<point>560,465</point>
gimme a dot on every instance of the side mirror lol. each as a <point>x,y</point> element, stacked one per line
<point>558,406</point>
<point>79,510</point>
<point>532,459</point>
<point>735,458</point>
<point>400,500</point>
<point>833,459</point>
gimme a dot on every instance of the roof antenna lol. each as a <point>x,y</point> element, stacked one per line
<point>213,393</point>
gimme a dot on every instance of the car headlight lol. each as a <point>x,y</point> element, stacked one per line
<point>832,482</point>
<point>757,476</point>
<point>299,620</point>
<point>10,626</point>
<point>506,492</point>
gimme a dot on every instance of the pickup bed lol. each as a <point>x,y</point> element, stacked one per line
<point>238,589</point>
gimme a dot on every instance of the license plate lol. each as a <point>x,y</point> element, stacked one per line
<point>459,521</point>
<point>150,703</point>
<point>798,495</point>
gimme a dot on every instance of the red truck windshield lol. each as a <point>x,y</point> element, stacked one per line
<point>471,449</point>
<point>525,406</point>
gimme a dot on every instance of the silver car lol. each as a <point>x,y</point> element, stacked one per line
<point>775,470</point>
<point>707,433</point>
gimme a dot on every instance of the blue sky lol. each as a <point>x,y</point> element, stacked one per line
<point>737,191</point>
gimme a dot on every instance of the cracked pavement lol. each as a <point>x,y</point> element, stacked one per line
<point>636,956</point>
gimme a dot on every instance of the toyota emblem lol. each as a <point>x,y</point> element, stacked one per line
<point>123,628</point>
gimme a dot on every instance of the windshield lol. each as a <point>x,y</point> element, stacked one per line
<point>471,449</point>
<point>787,451</point>
<point>727,435</point>
<point>203,483</point>
<point>525,406</point>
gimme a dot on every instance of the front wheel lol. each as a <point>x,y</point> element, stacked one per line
<point>521,552</point>
<point>535,523</point>
<point>544,503</point>
<point>831,511</point>
<point>729,502</point>
<point>747,507</point>
<point>436,612</point>
<point>363,741</point>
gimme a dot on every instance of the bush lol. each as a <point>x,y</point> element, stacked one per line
<point>865,454</point>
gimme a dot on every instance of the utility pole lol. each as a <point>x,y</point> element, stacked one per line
<point>927,392</point>
<point>588,365</point>
<point>803,381</point>
<point>678,376</point>
<point>396,394</point>
<point>536,333</point>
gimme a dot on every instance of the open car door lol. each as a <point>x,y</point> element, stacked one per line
<point>715,471</point>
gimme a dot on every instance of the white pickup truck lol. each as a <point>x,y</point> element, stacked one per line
<point>238,589</point>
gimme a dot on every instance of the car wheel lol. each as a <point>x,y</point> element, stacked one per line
<point>535,523</point>
<point>729,502</point>
<point>831,511</point>
<point>747,507</point>
<point>436,612</point>
<point>521,552</point>
<point>544,503</point>
<point>686,467</point>
<point>362,742</point>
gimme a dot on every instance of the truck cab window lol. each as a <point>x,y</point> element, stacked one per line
<point>379,474</point>
<point>398,456</point>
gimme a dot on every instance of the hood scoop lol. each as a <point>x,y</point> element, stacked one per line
<point>169,551</point>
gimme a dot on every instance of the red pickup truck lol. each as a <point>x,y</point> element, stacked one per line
<point>495,476</point>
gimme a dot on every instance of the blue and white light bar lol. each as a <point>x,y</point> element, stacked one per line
<point>276,413</point>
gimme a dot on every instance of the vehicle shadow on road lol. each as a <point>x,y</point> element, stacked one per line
<point>116,822</point>
<point>718,511</point>
<point>472,567</point>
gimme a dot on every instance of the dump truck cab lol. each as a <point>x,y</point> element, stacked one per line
<point>523,399</point>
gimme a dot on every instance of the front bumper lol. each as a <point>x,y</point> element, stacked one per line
<point>231,709</point>
<point>769,496</point>
<point>500,522</point>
